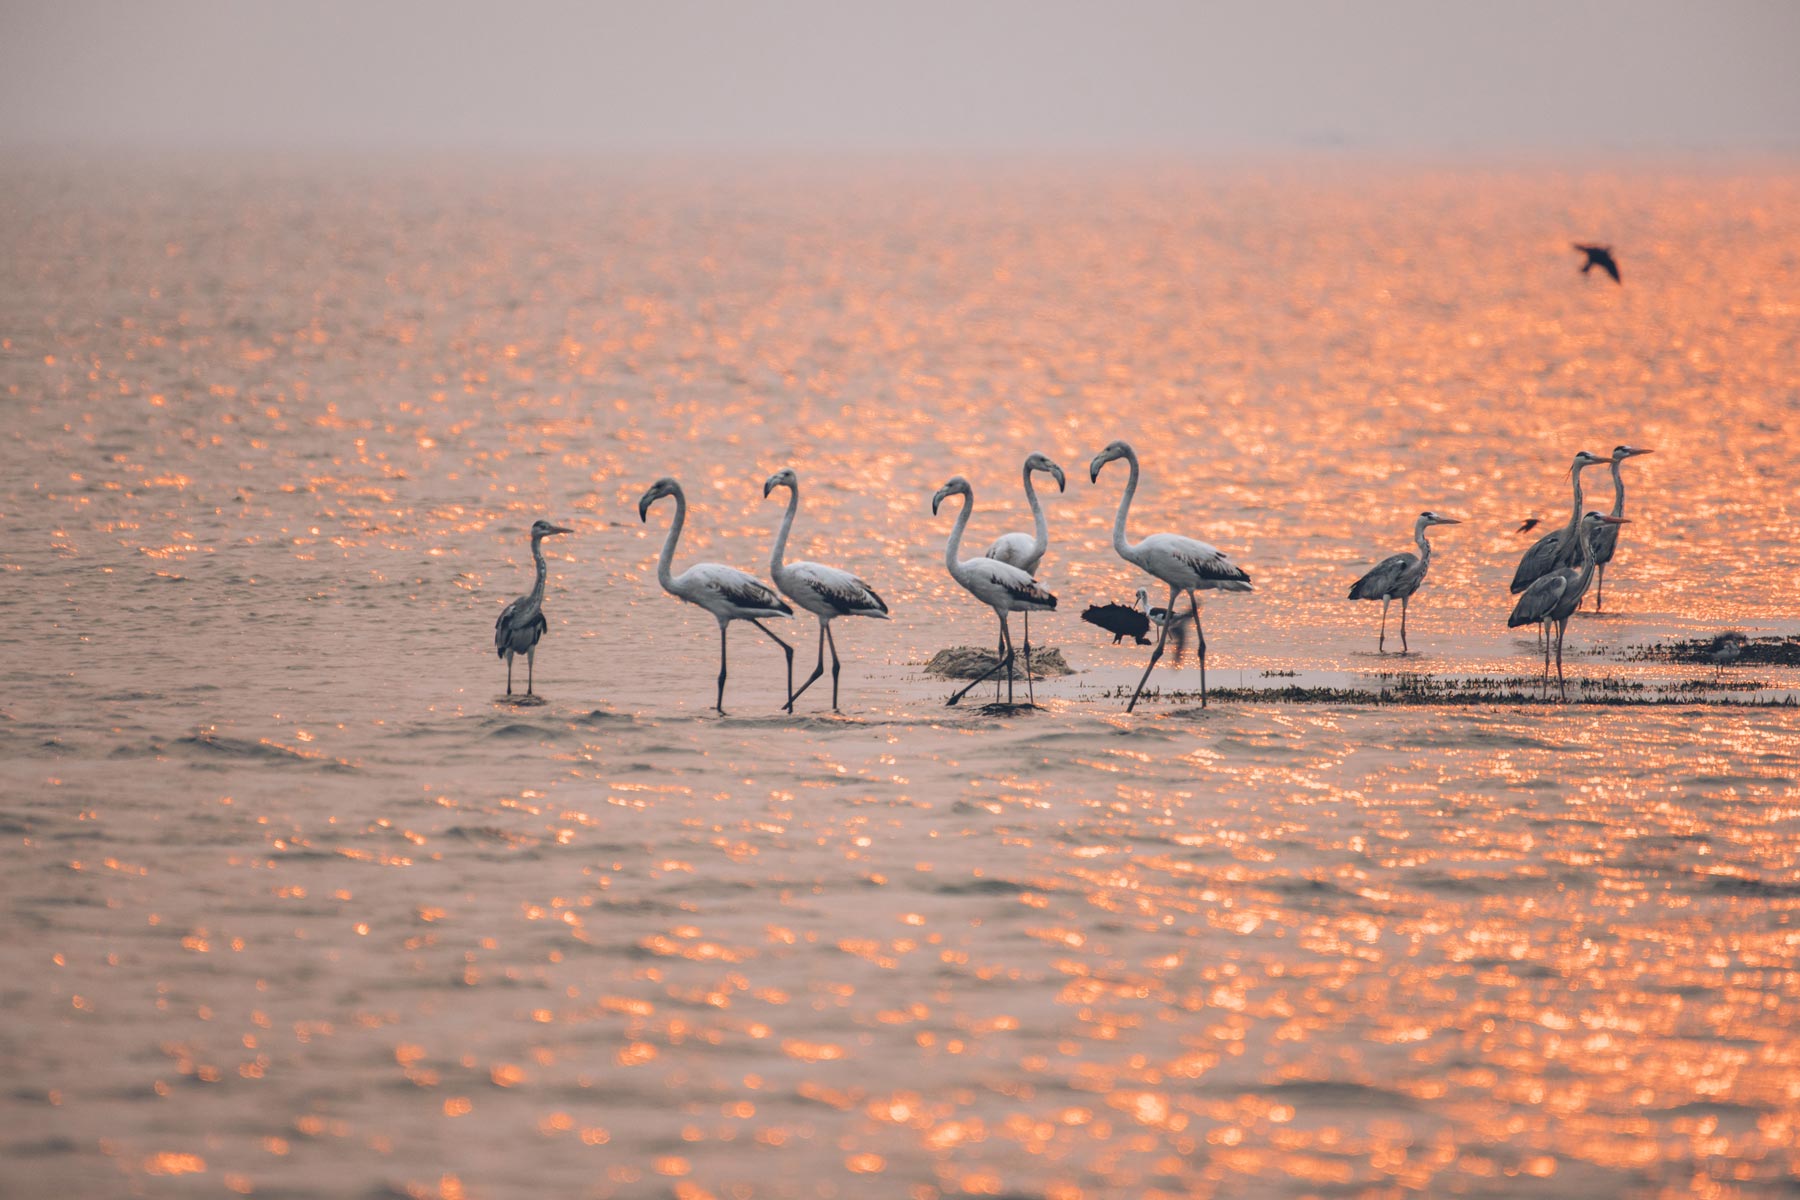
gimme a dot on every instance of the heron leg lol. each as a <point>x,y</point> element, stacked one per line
<point>509,659</point>
<point>817,671</point>
<point>1404,648</point>
<point>530,669</point>
<point>1600,588</point>
<point>1155,654</point>
<point>1199,636</point>
<point>785,649</point>
<point>1562,685</point>
<point>836,666</point>
<point>998,663</point>
<point>1381,644</point>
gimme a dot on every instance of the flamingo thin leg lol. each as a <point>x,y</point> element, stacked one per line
<point>1000,661</point>
<point>817,671</point>
<point>1199,636</point>
<point>1154,654</point>
<point>723,626</point>
<point>785,649</point>
<point>836,666</point>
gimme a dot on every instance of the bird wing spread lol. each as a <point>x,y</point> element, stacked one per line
<point>1117,619</point>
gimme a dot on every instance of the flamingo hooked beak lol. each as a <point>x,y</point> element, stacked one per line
<point>1056,473</point>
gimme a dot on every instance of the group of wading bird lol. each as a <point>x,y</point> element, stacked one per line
<point>1553,578</point>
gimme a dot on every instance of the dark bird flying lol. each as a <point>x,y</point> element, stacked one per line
<point>1598,256</point>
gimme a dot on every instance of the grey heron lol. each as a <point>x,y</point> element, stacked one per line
<point>826,592</point>
<point>1398,576</point>
<point>1185,564</point>
<point>726,592</point>
<point>1606,541</point>
<point>1004,588</point>
<point>1553,599</point>
<point>1557,548</point>
<point>522,623</point>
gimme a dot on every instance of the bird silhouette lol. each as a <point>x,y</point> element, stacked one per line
<point>1598,256</point>
<point>1530,524</point>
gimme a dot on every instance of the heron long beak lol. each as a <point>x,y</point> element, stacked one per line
<point>1057,473</point>
<point>1448,521</point>
<point>560,529</point>
<point>1637,452</point>
<point>1615,520</point>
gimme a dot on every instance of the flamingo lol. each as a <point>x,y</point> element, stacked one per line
<point>725,592</point>
<point>1606,538</point>
<point>1185,564</point>
<point>1553,599</point>
<point>1026,550</point>
<point>1002,587</point>
<point>522,622</point>
<point>826,592</point>
<point>1398,577</point>
<point>1557,548</point>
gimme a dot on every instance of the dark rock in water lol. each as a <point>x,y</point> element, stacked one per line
<point>970,662</point>
<point>1724,649</point>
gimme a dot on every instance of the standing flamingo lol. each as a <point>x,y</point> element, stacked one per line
<point>826,592</point>
<point>725,592</point>
<point>1183,563</point>
<point>522,622</point>
<point>1606,538</point>
<point>1553,599</point>
<point>1397,577</point>
<point>1003,588</point>
<point>1026,550</point>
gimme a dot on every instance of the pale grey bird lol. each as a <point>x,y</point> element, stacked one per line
<point>1606,541</point>
<point>1558,548</point>
<point>825,592</point>
<point>1553,599</point>
<point>1002,587</point>
<point>1185,564</point>
<point>522,622</point>
<point>1398,577</point>
<point>1026,550</point>
<point>726,592</point>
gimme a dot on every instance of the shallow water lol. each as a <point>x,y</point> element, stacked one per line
<point>299,908</point>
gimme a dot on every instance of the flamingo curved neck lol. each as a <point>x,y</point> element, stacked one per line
<point>781,538</point>
<point>1126,550</point>
<point>1618,489</point>
<point>664,573</point>
<point>953,547</point>
<point>1040,539</point>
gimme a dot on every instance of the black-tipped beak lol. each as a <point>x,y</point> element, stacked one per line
<point>1061,484</point>
<point>1093,474</point>
<point>768,486</point>
<point>935,501</point>
<point>644,509</point>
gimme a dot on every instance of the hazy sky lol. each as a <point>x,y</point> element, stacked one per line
<point>939,74</point>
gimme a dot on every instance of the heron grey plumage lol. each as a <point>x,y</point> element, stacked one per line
<point>521,624</point>
<point>1606,540</point>
<point>1558,548</point>
<point>1398,576</point>
<point>1553,599</point>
